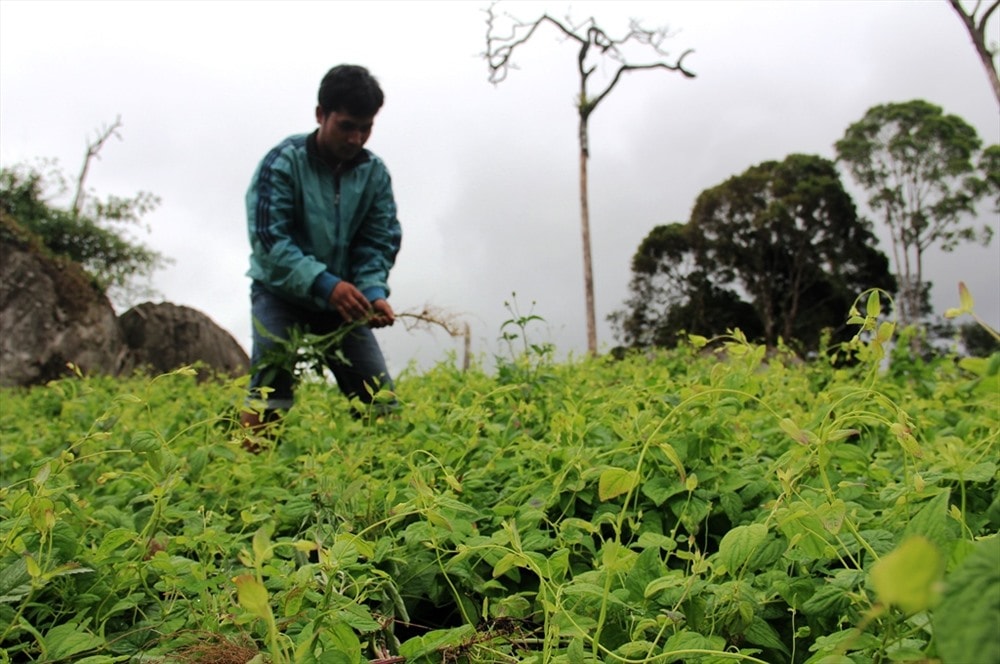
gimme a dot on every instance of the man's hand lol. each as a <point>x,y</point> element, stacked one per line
<point>348,301</point>
<point>384,315</point>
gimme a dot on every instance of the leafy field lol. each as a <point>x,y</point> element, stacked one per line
<point>705,504</point>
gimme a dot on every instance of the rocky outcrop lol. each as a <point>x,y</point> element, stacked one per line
<point>162,337</point>
<point>53,321</point>
<point>50,316</point>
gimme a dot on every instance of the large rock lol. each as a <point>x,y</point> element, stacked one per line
<point>53,321</point>
<point>165,336</point>
<point>50,316</point>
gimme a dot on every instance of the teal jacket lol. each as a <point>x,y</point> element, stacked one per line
<point>310,227</point>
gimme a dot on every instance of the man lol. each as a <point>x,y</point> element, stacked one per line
<point>324,235</point>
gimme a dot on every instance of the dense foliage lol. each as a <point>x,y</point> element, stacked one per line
<point>97,237</point>
<point>778,251</point>
<point>712,503</point>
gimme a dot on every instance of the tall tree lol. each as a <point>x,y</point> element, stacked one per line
<point>784,235</point>
<point>919,168</point>
<point>591,40</point>
<point>975,25</point>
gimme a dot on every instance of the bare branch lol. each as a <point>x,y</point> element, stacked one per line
<point>499,50</point>
<point>592,104</point>
<point>92,153</point>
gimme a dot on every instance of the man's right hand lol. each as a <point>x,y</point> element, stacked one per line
<point>348,301</point>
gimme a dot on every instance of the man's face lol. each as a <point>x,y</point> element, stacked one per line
<point>342,135</point>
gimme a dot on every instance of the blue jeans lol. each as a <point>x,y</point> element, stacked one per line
<point>364,373</point>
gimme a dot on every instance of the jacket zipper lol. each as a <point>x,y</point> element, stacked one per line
<point>336,205</point>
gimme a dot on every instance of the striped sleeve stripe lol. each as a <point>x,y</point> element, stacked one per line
<point>265,187</point>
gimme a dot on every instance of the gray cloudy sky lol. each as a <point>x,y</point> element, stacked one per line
<point>485,177</point>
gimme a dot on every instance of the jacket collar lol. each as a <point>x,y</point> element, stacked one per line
<point>312,149</point>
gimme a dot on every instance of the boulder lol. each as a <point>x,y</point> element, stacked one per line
<point>51,315</point>
<point>54,321</point>
<point>162,337</point>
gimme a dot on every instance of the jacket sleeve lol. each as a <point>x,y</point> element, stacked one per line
<point>277,258</point>
<point>374,248</point>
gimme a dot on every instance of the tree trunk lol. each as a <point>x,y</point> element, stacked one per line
<point>978,35</point>
<point>467,352</point>
<point>991,73</point>
<point>588,274</point>
<point>92,151</point>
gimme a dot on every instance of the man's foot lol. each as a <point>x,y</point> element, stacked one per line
<point>257,430</point>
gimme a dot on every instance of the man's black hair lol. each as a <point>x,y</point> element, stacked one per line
<point>351,89</point>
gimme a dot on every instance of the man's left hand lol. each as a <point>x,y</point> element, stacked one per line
<point>383,315</point>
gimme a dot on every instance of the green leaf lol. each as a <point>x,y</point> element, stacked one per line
<point>993,512</point>
<point>646,568</point>
<point>832,515</point>
<point>829,647</point>
<point>932,522</point>
<point>15,580</point>
<point>828,599</point>
<point>661,488</point>
<point>965,623</point>
<point>975,365</point>
<point>739,544</point>
<point>262,550</point>
<point>697,340</point>
<point>434,642</point>
<point>885,332</point>
<point>346,647</point>
<point>66,570</point>
<point>965,297</point>
<point>252,596</point>
<point>806,534</point>
<point>43,474</point>
<point>796,433</point>
<point>616,481</point>
<point>113,539</point>
<point>908,577</point>
<point>675,459</point>
<point>656,540</point>
<point>144,441</point>
<point>510,561</point>
<point>358,618</point>
<point>760,633</point>
<point>983,471</point>
<point>873,307</point>
<point>685,640</point>
<point>666,582</point>
<point>64,641</point>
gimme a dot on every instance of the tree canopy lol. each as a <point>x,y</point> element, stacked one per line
<point>778,251</point>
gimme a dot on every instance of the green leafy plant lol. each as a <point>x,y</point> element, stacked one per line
<point>720,501</point>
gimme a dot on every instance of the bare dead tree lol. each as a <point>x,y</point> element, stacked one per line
<point>975,23</point>
<point>592,40</point>
<point>93,150</point>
